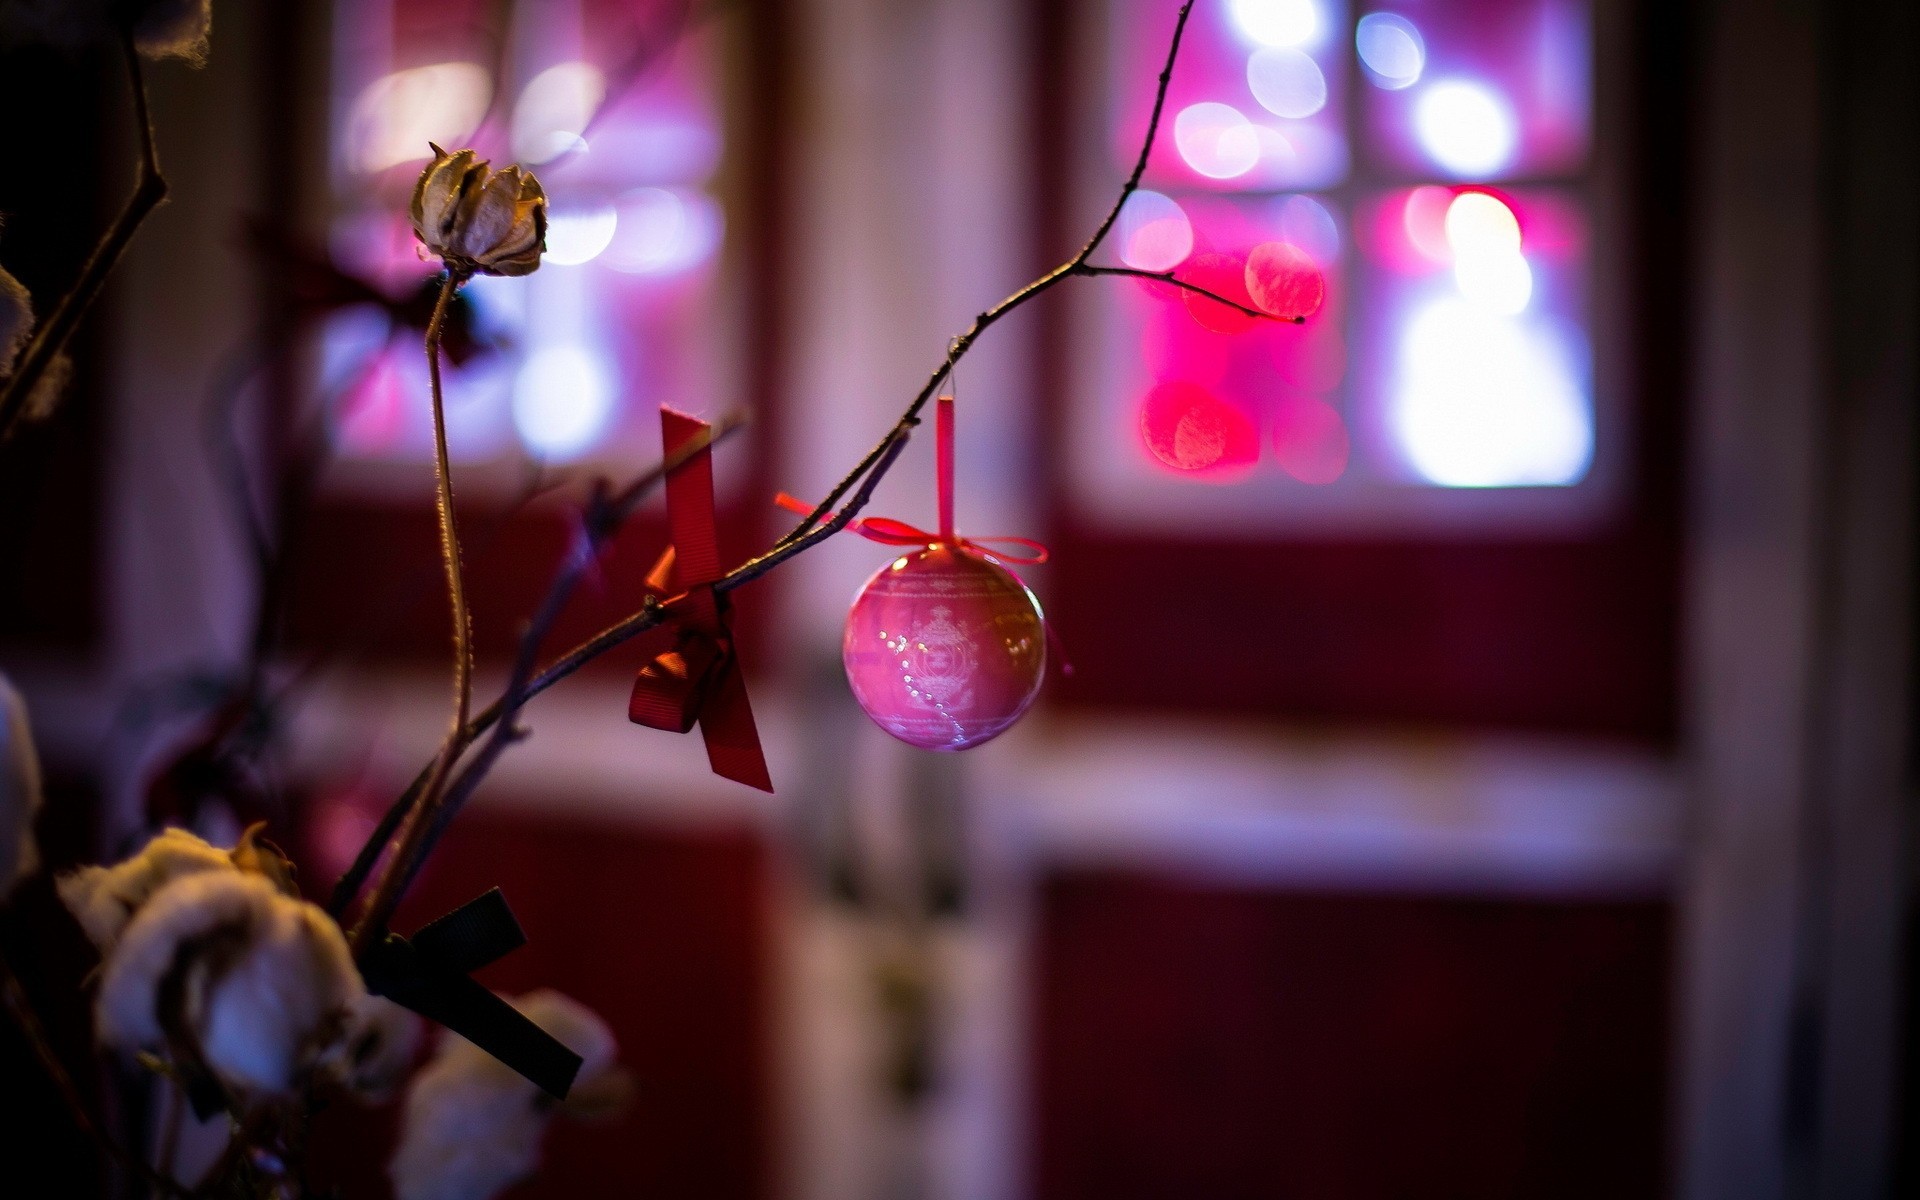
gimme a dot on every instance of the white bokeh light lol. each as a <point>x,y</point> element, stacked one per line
<point>1155,234</point>
<point>554,109</point>
<point>1286,82</point>
<point>663,231</point>
<point>1216,139</point>
<point>1501,283</point>
<point>562,401</point>
<point>1466,128</point>
<point>1483,236</point>
<point>1306,223</point>
<point>1277,22</point>
<point>1483,400</point>
<point>580,235</point>
<point>1391,49</point>
<point>397,115</point>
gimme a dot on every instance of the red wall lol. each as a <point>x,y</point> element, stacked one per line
<point>1199,1042</point>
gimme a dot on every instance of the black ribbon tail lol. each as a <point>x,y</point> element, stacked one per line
<point>430,976</point>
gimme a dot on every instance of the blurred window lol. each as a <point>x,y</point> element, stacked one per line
<point>616,107</point>
<point>1426,168</point>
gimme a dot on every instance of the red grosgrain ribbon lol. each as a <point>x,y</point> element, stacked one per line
<point>890,532</point>
<point>696,677</point>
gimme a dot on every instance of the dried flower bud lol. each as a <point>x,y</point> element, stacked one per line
<point>477,219</point>
<point>222,971</point>
<point>473,1125</point>
<point>105,899</point>
<point>20,796</point>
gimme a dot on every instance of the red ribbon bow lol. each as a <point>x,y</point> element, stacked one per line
<point>697,678</point>
<point>890,532</point>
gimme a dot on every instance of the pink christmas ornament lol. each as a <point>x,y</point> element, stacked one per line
<point>945,647</point>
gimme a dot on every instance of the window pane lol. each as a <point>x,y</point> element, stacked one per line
<point>617,112</point>
<point>1258,102</point>
<point>1476,372</point>
<point>1476,89</point>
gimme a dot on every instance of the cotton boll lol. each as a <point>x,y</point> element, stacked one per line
<point>20,795</point>
<point>104,899</point>
<point>16,321</point>
<point>257,983</point>
<point>473,1125</point>
<point>373,1056</point>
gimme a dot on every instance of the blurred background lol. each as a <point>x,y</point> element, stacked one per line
<point>1486,768</point>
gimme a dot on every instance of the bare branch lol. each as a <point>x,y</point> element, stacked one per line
<point>52,335</point>
<point>1196,289</point>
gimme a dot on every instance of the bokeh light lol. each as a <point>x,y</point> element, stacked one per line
<point>1484,400</point>
<point>554,109</point>
<point>395,117</point>
<point>1193,431</point>
<point>1216,139</point>
<point>578,235</point>
<point>1484,237</point>
<point>1277,22</point>
<point>1286,82</point>
<point>1391,49</point>
<point>1466,128</point>
<point>1284,280</point>
<point>1479,224</point>
<point>1424,218</point>
<point>1172,347</point>
<point>1310,440</point>
<point>1306,223</point>
<point>1155,234</point>
<point>663,231</point>
<point>1223,275</point>
<point>562,401</point>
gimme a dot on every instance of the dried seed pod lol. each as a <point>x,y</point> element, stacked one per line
<point>478,220</point>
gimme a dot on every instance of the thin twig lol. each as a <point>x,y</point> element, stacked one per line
<point>20,1008</point>
<point>1196,289</point>
<point>52,335</point>
<point>373,921</point>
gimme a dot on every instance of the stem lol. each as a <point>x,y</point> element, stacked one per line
<point>1196,289</point>
<point>52,335</point>
<point>379,911</point>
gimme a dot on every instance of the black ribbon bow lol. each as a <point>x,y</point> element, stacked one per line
<point>429,974</point>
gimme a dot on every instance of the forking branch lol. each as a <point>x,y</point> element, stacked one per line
<point>425,808</point>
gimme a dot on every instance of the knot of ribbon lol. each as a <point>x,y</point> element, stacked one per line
<point>431,974</point>
<point>694,675</point>
<point>890,532</point>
